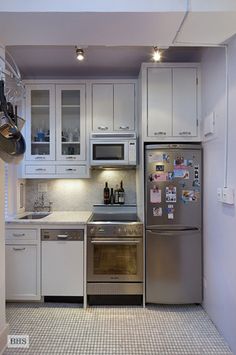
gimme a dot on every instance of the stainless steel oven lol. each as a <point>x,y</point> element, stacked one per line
<point>114,258</point>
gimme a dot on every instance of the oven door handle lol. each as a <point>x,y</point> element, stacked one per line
<point>120,242</point>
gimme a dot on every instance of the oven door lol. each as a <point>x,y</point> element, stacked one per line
<point>109,153</point>
<point>115,259</point>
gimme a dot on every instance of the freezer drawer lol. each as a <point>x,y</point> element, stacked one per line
<point>173,267</point>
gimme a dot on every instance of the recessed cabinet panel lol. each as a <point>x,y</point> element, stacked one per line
<point>21,272</point>
<point>102,107</point>
<point>184,102</point>
<point>159,102</point>
<point>124,107</point>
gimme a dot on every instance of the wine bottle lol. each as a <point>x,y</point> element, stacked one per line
<point>106,194</point>
<point>121,194</point>
<point>116,199</point>
<point>112,197</point>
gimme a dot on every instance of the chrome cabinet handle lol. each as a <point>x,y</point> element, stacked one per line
<point>62,236</point>
<point>103,128</point>
<point>18,234</point>
<point>161,133</point>
<point>71,157</point>
<point>40,169</point>
<point>40,158</point>
<point>185,133</point>
<point>70,169</point>
<point>124,127</point>
<point>18,249</point>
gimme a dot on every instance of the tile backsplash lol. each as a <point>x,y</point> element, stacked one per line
<point>81,194</point>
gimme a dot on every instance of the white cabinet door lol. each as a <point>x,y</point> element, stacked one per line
<point>70,122</point>
<point>102,107</point>
<point>40,122</point>
<point>62,268</point>
<point>22,272</point>
<point>124,107</point>
<point>159,102</point>
<point>185,102</point>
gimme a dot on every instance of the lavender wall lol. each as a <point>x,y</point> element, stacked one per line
<point>219,219</point>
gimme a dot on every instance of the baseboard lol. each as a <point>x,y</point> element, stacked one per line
<point>3,338</point>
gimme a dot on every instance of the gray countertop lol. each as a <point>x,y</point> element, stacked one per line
<point>60,217</point>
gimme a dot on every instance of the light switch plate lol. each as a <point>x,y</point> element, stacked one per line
<point>228,195</point>
<point>43,187</point>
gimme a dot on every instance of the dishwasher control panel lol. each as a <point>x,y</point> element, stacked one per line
<point>62,234</point>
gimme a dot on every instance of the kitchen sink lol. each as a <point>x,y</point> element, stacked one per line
<point>35,216</point>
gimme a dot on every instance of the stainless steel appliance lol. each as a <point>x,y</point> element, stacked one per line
<point>62,262</point>
<point>113,149</point>
<point>173,194</point>
<point>114,254</point>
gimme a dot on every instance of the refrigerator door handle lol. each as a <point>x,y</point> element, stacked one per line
<point>170,228</point>
<point>171,232</point>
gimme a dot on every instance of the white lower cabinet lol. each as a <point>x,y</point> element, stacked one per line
<point>22,274</point>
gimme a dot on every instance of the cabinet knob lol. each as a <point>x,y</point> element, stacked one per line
<point>70,169</point>
<point>124,127</point>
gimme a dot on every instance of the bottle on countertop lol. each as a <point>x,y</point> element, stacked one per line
<point>121,194</point>
<point>116,195</point>
<point>106,194</point>
<point>112,197</point>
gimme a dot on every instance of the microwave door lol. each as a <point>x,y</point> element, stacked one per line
<point>109,153</point>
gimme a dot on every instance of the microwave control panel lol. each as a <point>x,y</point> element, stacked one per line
<point>132,152</point>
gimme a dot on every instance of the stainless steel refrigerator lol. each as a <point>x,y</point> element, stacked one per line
<point>173,198</point>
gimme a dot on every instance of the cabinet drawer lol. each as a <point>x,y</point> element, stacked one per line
<point>39,170</point>
<point>80,170</point>
<point>16,235</point>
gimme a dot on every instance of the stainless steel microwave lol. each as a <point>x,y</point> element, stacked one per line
<point>113,149</point>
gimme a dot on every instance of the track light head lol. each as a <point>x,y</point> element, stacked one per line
<point>156,54</point>
<point>79,53</point>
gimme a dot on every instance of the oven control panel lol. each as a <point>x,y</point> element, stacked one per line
<point>115,230</point>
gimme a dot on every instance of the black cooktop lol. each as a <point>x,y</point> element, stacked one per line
<point>114,217</point>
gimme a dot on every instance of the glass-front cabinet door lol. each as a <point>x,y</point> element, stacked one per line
<point>40,118</point>
<point>70,122</point>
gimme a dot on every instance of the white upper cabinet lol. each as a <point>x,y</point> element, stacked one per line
<point>170,101</point>
<point>113,107</point>
<point>40,128</point>
<point>102,107</point>
<point>70,122</point>
<point>159,102</point>
<point>55,131</point>
<point>185,102</point>
<point>124,107</point>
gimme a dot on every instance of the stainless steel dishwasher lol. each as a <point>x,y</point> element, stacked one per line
<point>62,262</point>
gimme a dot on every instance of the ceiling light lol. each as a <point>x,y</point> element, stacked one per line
<point>156,54</point>
<point>79,53</point>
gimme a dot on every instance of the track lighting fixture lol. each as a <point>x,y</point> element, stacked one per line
<point>156,54</point>
<point>79,53</point>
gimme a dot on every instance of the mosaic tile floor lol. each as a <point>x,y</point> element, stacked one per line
<point>68,329</point>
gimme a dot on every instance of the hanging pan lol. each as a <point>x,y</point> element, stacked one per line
<point>12,143</point>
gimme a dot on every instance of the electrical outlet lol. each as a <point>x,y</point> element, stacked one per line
<point>43,187</point>
<point>219,194</point>
<point>228,196</point>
